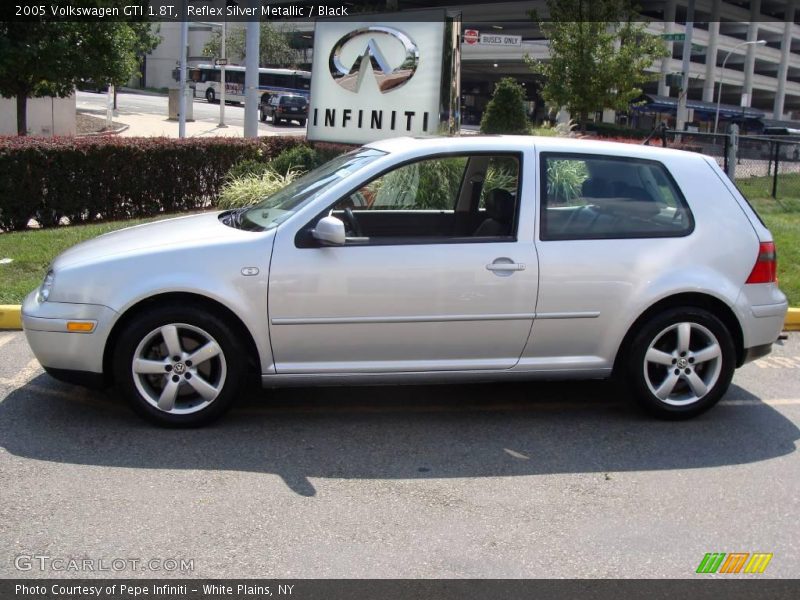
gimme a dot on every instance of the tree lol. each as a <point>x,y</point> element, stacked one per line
<point>274,46</point>
<point>599,55</point>
<point>505,112</point>
<point>47,59</point>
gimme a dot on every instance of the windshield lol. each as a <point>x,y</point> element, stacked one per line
<point>274,210</point>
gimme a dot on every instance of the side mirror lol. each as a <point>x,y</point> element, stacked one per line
<point>329,231</point>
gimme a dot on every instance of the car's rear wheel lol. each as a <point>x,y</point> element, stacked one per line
<point>179,366</point>
<point>681,363</point>
<point>262,115</point>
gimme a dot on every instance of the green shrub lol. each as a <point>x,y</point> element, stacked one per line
<point>604,130</point>
<point>250,189</point>
<point>545,130</point>
<point>248,167</point>
<point>505,112</point>
<point>105,178</point>
<point>300,158</point>
<point>565,179</point>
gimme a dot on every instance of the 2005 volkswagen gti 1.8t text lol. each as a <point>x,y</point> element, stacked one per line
<point>411,260</point>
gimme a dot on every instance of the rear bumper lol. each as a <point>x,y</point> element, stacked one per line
<point>58,350</point>
<point>761,309</point>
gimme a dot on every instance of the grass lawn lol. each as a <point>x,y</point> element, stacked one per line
<point>782,216</point>
<point>783,219</point>
<point>33,250</point>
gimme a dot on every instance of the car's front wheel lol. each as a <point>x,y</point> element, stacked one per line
<point>210,96</point>
<point>681,363</point>
<point>179,366</point>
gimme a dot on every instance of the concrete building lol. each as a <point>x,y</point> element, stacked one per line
<point>158,65</point>
<point>763,77</point>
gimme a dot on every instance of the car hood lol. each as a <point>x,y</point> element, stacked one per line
<point>205,229</point>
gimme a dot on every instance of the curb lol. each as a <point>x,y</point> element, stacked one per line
<point>792,322</point>
<point>118,130</point>
<point>10,316</point>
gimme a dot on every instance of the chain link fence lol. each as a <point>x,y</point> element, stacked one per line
<point>762,166</point>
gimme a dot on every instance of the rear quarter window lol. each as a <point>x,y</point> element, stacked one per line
<point>599,197</point>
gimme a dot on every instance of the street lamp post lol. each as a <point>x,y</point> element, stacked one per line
<point>224,62</point>
<point>722,74</point>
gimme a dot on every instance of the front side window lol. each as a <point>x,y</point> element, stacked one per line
<point>275,209</point>
<point>439,199</point>
<point>430,184</point>
<point>597,197</point>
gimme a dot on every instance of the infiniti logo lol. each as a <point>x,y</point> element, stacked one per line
<point>387,78</point>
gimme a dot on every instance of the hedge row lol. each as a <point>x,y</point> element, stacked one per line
<point>86,179</point>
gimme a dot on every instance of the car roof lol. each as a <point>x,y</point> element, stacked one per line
<point>507,143</point>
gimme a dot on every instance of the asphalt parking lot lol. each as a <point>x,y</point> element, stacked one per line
<point>533,480</point>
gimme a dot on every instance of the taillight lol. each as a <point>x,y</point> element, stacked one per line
<point>766,268</point>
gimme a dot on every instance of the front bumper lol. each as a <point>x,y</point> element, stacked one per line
<point>59,350</point>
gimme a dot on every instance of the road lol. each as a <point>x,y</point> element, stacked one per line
<point>139,104</point>
<point>522,480</point>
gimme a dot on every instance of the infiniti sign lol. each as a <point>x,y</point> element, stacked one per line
<point>374,80</point>
<point>387,78</point>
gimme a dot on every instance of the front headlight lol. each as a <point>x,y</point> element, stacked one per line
<point>47,285</point>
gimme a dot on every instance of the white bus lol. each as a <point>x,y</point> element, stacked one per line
<point>270,81</point>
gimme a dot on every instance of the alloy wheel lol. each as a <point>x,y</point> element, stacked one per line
<point>683,363</point>
<point>179,368</point>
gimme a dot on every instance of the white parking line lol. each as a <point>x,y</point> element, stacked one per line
<point>30,370</point>
<point>777,402</point>
<point>4,339</point>
<point>778,362</point>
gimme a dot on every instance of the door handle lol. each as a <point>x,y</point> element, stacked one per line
<point>505,267</point>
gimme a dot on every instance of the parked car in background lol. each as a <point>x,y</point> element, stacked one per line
<point>493,258</point>
<point>90,85</point>
<point>284,107</point>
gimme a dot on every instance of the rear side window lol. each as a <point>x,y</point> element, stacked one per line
<point>598,197</point>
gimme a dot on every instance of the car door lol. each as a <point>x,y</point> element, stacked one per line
<point>396,298</point>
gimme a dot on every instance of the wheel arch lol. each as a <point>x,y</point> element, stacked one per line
<point>694,299</point>
<point>182,299</point>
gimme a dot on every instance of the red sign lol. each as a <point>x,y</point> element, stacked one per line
<point>471,36</point>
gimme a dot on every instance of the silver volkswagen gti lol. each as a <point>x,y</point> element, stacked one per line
<point>428,260</point>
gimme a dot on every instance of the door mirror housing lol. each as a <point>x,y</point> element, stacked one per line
<point>329,231</point>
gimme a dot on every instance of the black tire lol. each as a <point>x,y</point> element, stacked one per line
<point>210,96</point>
<point>262,115</point>
<point>680,375</point>
<point>302,122</point>
<point>275,120</point>
<point>225,371</point>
